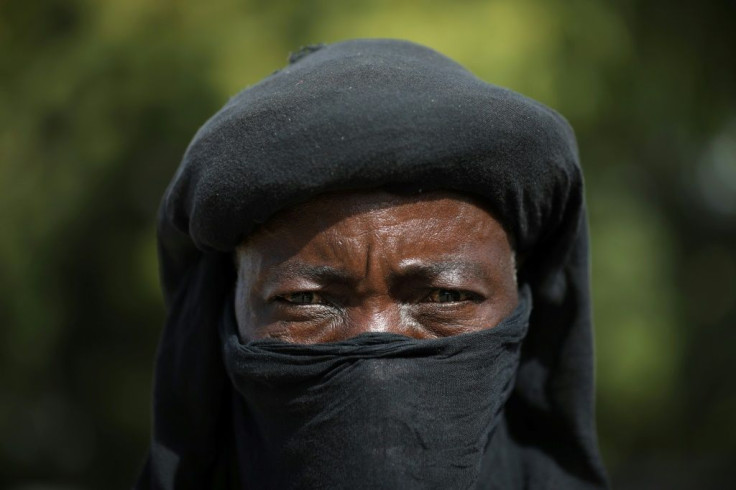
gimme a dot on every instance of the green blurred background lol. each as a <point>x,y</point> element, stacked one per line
<point>98,101</point>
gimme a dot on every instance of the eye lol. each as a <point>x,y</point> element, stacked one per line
<point>449,296</point>
<point>302,298</point>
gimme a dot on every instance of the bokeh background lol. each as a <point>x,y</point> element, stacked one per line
<point>98,100</point>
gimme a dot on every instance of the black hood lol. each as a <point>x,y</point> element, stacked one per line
<point>376,114</point>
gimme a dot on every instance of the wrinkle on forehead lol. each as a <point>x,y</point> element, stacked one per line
<point>373,257</point>
<point>376,204</point>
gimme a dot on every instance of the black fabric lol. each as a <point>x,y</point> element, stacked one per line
<point>423,416</point>
<point>369,114</point>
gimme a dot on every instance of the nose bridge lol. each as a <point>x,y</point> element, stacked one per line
<point>375,310</point>
<point>376,315</point>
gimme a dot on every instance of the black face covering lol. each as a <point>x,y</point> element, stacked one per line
<point>375,411</point>
<point>500,408</point>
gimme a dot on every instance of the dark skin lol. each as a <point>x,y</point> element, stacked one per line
<point>423,266</point>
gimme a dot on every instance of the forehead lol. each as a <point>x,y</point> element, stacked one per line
<point>445,219</point>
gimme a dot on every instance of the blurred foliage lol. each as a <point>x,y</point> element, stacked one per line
<point>98,101</point>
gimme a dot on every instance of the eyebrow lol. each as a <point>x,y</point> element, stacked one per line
<point>414,270</point>
<point>432,270</point>
<point>319,273</point>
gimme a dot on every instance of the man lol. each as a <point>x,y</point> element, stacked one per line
<point>425,266</point>
<point>409,306</point>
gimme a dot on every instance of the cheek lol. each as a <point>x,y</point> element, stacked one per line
<point>448,320</point>
<point>246,309</point>
<point>245,314</point>
<point>311,332</point>
<point>506,294</point>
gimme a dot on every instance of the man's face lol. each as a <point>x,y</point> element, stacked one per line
<point>424,266</point>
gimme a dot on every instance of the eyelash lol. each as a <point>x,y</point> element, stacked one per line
<point>307,297</point>
<point>285,298</point>
<point>463,296</point>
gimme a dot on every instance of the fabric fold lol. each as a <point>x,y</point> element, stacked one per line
<point>375,411</point>
<point>367,114</point>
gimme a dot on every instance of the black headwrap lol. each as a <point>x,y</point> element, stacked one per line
<point>508,407</point>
